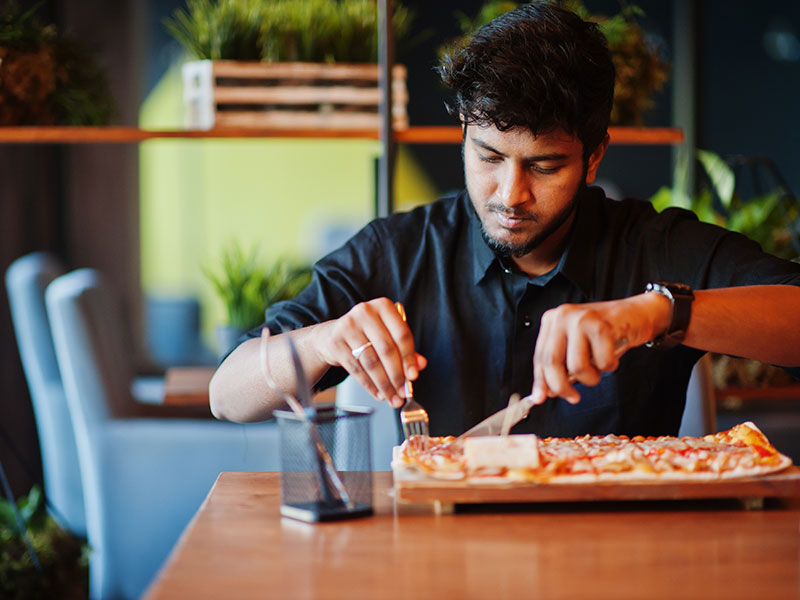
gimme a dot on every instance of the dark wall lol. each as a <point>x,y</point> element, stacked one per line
<point>749,81</point>
<point>30,211</point>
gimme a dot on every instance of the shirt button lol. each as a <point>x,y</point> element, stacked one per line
<point>526,321</point>
<point>506,271</point>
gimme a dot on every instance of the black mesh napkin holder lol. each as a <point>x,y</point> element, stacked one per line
<point>307,490</point>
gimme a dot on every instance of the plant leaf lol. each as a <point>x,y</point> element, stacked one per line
<point>721,175</point>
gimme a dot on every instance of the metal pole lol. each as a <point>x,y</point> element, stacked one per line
<point>385,200</point>
<point>684,87</point>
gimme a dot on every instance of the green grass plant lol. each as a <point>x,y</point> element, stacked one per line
<point>283,30</point>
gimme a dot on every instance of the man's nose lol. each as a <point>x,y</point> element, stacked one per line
<point>514,188</point>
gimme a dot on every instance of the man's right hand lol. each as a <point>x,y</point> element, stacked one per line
<point>389,357</point>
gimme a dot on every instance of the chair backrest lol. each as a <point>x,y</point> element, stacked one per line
<point>89,333</point>
<point>84,336</point>
<point>26,281</point>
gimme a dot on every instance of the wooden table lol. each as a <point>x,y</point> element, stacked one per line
<point>238,546</point>
<point>188,386</point>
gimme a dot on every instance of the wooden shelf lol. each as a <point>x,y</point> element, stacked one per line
<point>412,135</point>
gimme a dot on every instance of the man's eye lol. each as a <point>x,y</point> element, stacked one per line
<point>544,170</point>
<point>489,159</point>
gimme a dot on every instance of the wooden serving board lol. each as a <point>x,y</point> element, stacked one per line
<point>410,487</point>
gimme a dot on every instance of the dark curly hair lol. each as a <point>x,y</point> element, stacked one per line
<point>540,67</point>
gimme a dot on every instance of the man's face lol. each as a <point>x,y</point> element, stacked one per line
<point>523,187</point>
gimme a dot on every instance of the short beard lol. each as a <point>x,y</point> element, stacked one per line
<point>519,250</point>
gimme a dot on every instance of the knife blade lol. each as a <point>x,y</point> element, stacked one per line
<point>493,424</point>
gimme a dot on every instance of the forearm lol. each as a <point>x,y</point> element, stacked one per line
<point>239,391</point>
<point>757,322</point>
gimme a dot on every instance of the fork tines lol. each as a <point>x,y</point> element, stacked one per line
<point>414,419</point>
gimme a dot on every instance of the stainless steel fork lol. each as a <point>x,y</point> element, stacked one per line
<point>413,417</point>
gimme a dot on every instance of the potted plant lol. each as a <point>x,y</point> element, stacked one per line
<point>247,287</point>
<point>640,70</point>
<point>45,561</point>
<point>771,219</point>
<point>47,78</point>
<point>285,63</point>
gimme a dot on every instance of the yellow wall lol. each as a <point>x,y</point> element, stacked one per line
<point>276,195</point>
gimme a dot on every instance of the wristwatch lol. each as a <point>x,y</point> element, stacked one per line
<point>680,296</point>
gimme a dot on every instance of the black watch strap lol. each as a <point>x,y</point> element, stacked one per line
<point>681,297</point>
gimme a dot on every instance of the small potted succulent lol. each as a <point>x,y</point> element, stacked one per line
<point>247,287</point>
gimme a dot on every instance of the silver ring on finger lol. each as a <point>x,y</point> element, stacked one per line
<point>360,350</point>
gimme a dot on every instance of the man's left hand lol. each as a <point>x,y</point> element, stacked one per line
<point>579,342</point>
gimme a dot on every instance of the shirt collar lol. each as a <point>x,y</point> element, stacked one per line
<point>576,261</point>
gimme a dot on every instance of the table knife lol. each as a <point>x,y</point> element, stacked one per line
<point>493,424</point>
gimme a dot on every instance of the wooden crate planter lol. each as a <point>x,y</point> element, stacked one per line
<point>288,95</point>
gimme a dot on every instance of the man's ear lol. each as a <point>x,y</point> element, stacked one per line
<point>594,160</point>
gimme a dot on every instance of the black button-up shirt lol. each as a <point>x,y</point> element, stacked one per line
<point>476,320</point>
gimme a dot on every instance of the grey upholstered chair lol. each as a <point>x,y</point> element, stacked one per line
<point>143,477</point>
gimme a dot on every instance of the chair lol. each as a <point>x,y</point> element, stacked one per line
<point>26,280</point>
<point>143,478</point>
<point>699,415</point>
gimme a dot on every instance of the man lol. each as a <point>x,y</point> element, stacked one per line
<point>529,280</point>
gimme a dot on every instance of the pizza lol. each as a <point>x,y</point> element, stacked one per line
<point>742,451</point>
